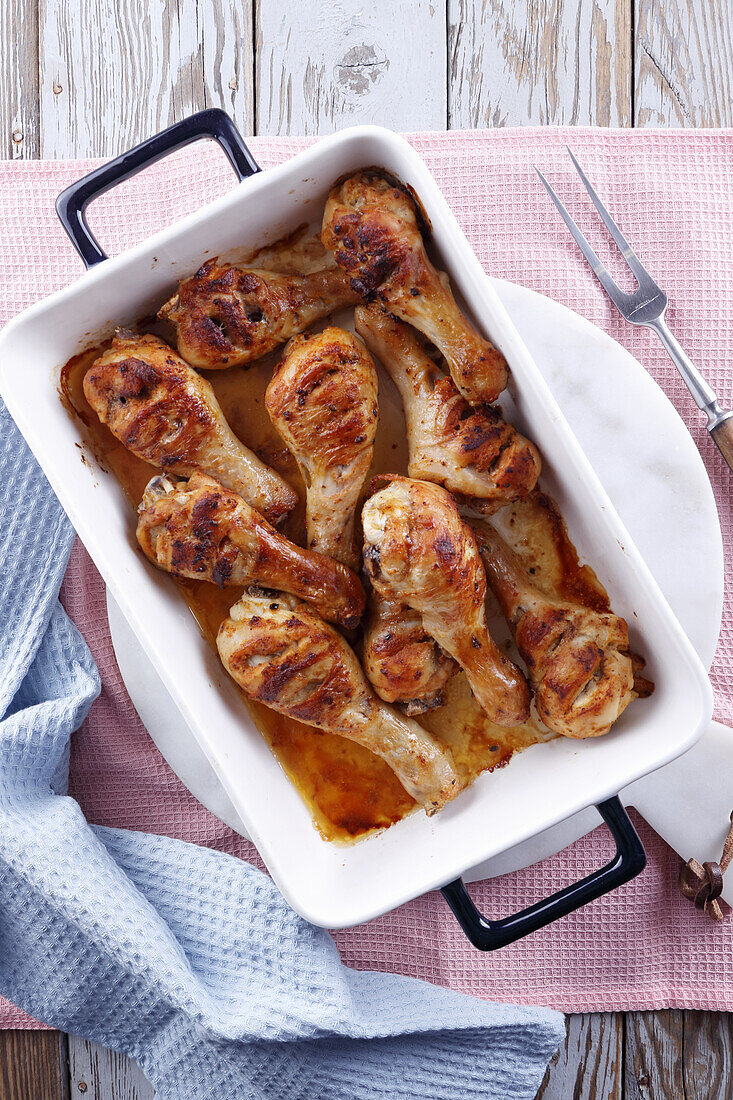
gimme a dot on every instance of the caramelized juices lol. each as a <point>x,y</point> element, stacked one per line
<point>349,791</point>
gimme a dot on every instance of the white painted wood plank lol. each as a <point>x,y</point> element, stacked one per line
<point>99,1074</point>
<point>590,1064</point>
<point>684,63</point>
<point>654,1056</point>
<point>323,66</point>
<point>708,1055</point>
<point>539,62</point>
<point>216,58</point>
<point>115,71</point>
<point>18,79</point>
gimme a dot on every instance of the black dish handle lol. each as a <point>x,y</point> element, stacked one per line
<point>72,203</point>
<point>629,861</point>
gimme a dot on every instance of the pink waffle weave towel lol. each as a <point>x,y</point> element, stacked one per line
<point>643,946</point>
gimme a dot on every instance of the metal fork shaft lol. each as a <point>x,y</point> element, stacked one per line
<point>702,393</point>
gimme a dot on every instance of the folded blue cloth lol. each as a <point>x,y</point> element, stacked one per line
<point>186,959</point>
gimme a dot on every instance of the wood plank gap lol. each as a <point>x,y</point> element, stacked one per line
<point>65,1070</point>
<point>683,1057</point>
<point>36,109</point>
<point>448,125</point>
<point>255,68</point>
<point>632,55</point>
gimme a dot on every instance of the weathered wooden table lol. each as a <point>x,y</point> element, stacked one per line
<point>92,77</point>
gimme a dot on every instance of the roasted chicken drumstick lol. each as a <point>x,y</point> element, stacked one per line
<point>418,550</point>
<point>372,229</point>
<point>167,415</point>
<point>577,659</point>
<point>323,401</point>
<point>199,529</point>
<point>472,452</point>
<point>404,665</point>
<point>226,316</point>
<point>283,655</point>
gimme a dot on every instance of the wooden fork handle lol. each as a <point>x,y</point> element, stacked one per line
<point>723,438</point>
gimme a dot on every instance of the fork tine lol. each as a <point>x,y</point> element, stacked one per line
<point>633,261</point>
<point>617,296</point>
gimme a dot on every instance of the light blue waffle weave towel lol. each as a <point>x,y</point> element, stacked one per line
<point>187,959</point>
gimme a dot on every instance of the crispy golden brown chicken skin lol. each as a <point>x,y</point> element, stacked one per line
<point>418,550</point>
<point>283,655</point>
<point>323,401</point>
<point>473,452</point>
<point>226,316</point>
<point>540,538</point>
<point>404,665</point>
<point>372,229</point>
<point>199,529</point>
<point>577,659</point>
<point>167,415</point>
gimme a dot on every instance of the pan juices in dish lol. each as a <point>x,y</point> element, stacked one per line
<point>350,790</point>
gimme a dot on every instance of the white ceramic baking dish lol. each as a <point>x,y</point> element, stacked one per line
<point>329,884</point>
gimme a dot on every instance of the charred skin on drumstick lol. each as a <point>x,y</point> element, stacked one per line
<point>404,665</point>
<point>578,659</point>
<point>201,530</point>
<point>282,654</point>
<point>372,228</point>
<point>166,414</point>
<point>323,401</point>
<point>418,550</point>
<point>473,452</point>
<point>228,316</point>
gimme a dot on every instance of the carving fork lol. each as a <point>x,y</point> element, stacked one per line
<point>646,306</point>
